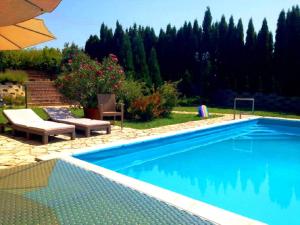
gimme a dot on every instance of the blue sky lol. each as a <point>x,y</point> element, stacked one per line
<point>75,20</point>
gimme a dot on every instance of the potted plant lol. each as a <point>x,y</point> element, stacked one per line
<point>90,78</point>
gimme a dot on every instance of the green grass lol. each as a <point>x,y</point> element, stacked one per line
<point>230,111</point>
<point>15,76</point>
<point>173,119</point>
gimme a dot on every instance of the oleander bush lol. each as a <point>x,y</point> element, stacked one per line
<point>84,78</point>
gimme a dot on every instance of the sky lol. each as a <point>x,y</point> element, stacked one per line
<point>75,20</point>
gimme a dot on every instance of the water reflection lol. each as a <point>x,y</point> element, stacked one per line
<point>251,171</point>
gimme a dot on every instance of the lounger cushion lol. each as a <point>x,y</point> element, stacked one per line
<point>22,116</point>
<point>26,118</point>
<point>49,126</point>
<point>85,122</point>
<point>58,113</point>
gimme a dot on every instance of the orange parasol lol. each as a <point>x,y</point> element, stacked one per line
<point>16,11</point>
<point>23,35</point>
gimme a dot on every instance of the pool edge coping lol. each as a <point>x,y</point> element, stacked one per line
<point>198,208</point>
<point>143,139</point>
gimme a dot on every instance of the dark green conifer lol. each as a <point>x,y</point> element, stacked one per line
<point>154,69</point>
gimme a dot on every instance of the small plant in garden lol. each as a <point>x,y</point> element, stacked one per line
<point>13,100</point>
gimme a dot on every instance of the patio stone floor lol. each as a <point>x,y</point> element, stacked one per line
<point>16,151</point>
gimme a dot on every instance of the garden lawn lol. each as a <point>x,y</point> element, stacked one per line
<point>230,111</point>
<point>174,118</point>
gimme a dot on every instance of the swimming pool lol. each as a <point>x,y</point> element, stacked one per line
<point>251,168</point>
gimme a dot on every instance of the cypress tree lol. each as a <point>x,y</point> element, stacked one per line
<point>149,39</point>
<point>91,46</point>
<point>118,39</point>
<point>197,33</point>
<point>106,42</point>
<point>209,57</point>
<point>140,62</point>
<point>230,54</point>
<point>251,37</point>
<point>280,53</point>
<point>223,54</point>
<point>161,54</point>
<point>206,26</point>
<point>264,58</point>
<point>250,57</point>
<point>293,52</point>
<point>239,57</point>
<point>154,69</point>
<point>126,57</point>
<point>197,51</point>
<point>168,56</point>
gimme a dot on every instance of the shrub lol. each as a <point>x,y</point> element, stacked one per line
<point>143,106</point>
<point>47,60</point>
<point>146,108</point>
<point>14,76</point>
<point>91,78</point>
<point>169,95</point>
<point>72,58</point>
<point>130,91</point>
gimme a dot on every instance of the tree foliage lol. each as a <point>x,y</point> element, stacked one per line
<point>212,56</point>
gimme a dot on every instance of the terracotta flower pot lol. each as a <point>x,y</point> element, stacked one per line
<point>91,113</point>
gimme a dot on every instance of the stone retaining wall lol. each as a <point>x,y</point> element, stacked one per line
<point>13,90</point>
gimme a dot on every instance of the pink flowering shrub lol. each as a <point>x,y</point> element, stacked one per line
<point>72,57</point>
<point>82,82</point>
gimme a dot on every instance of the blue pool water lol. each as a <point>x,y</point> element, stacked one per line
<point>250,168</point>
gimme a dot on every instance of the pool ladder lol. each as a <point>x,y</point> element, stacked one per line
<point>242,99</point>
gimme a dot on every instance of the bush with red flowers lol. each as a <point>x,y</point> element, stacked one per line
<point>82,82</point>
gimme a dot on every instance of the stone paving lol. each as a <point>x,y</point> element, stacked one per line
<point>16,151</point>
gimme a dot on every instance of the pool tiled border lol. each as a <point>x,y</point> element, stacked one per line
<point>198,208</point>
<point>195,207</point>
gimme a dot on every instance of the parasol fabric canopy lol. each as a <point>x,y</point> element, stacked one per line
<point>16,11</point>
<point>23,35</point>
